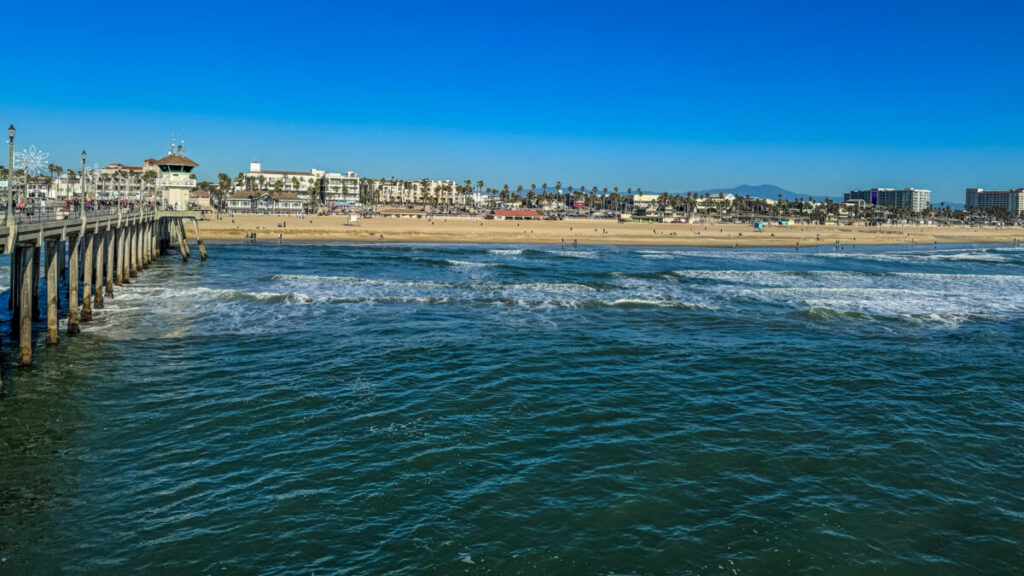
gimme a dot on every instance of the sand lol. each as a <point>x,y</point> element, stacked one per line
<point>607,232</point>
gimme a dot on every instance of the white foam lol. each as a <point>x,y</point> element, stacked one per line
<point>467,264</point>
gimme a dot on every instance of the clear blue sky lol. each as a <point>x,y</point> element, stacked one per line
<point>817,97</point>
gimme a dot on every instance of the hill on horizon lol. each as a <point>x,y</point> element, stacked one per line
<point>769,191</point>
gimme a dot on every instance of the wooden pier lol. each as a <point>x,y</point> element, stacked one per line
<point>87,254</point>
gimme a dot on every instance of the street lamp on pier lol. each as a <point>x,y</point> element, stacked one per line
<point>10,174</point>
<point>83,179</point>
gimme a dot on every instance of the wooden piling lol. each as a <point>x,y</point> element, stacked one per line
<point>184,238</point>
<point>37,313</point>
<point>52,336</point>
<point>75,252</point>
<point>121,275</point>
<point>15,290</point>
<point>97,292</point>
<point>132,272</point>
<point>90,240</point>
<point>199,241</point>
<point>179,231</point>
<point>138,247</point>
<point>145,245</point>
<point>28,262</point>
<point>110,263</point>
<point>62,258</point>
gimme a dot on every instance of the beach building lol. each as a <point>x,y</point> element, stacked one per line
<point>202,200</point>
<point>1010,200</point>
<point>119,182</point>
<point>434,192</point>
<point>708,201</point>
<point>338,189</point>
<point>248,201</point>
<point>242,201</point>
<point>287,203</point>
<point>335,188</point>
<point>911,199</point>
<point>644,200</point>
<point>291,181</point>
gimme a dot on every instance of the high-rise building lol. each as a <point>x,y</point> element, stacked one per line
<point>911,199</point>
<point>1010,200</point>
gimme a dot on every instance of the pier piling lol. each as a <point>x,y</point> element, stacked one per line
<point>110,263</point>
<point>97,284</point>
<point>87,279</point>
<point>121,272</point>
<point>199,241</point>
<point>75,251</point>
<point>52,336</point>
<point>28,262</point>
<point>132,237</point>
<point>90,252</point>
<point>36,312</point>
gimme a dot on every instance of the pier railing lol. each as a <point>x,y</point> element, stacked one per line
<point>75,213</point>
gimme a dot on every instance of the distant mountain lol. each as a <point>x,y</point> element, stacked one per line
<point>764,191</point>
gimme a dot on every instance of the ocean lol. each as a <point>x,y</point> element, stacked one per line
<point>471,409</point>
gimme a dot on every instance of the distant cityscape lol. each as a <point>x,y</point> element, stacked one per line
<point>170,181</point>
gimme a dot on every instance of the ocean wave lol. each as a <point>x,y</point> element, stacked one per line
<point>468,264</point>
<point>572,253</point>
<point>358,281</point>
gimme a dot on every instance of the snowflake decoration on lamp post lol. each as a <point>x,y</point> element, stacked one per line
<point>32,161</point>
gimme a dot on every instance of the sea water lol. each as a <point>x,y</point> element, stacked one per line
<point>410,409</point>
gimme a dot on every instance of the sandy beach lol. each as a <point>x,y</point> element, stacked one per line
<point>608,232</point>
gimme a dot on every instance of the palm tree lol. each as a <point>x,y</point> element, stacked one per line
<point>223,185</point>
<point>314,196</point>
<point>118,176</point>
<point>70,186</point>
<point>274,193</point>
<point>149,179</point>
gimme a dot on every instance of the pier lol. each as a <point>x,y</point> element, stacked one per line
<point>85,256</point>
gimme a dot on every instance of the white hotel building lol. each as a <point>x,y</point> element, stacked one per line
<point>336,188</point>
<point>1010,200</point>
<point>912,199</point>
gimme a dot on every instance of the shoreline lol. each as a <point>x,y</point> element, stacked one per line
<point>811,246</point>
<point>462,230</point>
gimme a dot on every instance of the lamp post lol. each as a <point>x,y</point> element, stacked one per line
<point>83,180</point>
<point>10,174</point>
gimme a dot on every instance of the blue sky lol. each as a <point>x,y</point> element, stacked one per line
<point>817,97</point>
